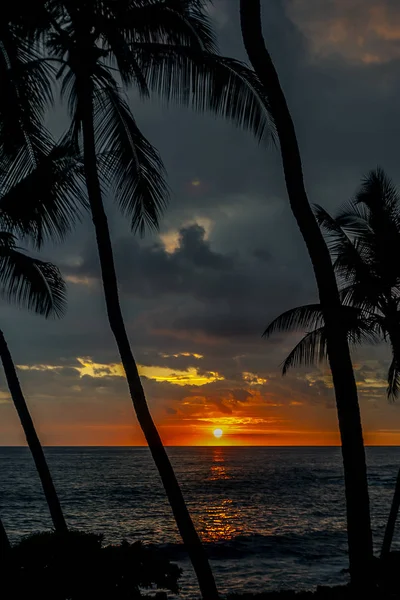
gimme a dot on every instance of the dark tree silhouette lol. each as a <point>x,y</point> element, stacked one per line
<point>364,241</point>
<point>164,47</point>
<point>38,286</point>
<point>356,485</point>
<point>39,192</point>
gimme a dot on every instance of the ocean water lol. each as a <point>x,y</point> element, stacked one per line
<point>270,517</point>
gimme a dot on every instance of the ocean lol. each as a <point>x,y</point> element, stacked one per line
<point>271,518</point>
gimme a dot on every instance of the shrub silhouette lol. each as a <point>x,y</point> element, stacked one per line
<point>76,566</point>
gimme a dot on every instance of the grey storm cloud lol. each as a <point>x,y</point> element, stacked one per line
<point>193,268</point>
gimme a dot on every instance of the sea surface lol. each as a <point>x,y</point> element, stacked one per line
<point>270,517</point>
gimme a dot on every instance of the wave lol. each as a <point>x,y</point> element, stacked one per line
<point>313,546</point>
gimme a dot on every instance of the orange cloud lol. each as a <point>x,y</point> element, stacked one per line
<point>88,367</point>
<point>87,403</point>
<point>364,31</point>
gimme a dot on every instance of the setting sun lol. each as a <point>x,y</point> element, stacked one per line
<point>218,433</point>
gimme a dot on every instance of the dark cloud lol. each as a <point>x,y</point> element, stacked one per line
<point>235,295</point>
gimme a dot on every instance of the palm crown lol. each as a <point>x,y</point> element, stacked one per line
<point>164,47</point>
<point>364,241</point>
<point>25,280</point>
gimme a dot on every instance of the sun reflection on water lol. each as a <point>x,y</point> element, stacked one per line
<point>221,517</point>
<point>220,521</point>
<point>217,470</point>
<point>218,454</point>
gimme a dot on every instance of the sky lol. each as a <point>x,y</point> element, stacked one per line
<point>227,260</point>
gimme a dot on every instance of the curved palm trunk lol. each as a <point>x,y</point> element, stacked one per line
<point>355,472</point>
<point>183,519</point>
<point>5,545</point>
<point>390,526</point>
<point>32,438</point>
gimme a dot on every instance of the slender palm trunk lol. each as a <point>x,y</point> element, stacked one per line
<point>32,438</point>
<point>390,526</point>
<point>355,472</point>
<point>183,519</point>
<point>5,545</point>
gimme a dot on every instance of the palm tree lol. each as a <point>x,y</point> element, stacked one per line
<point>40,191</point>
<point>161,46</point>
<point>364,241</point>
<point>45,192</point>
<point>37,285</point>
<point>356,485</point>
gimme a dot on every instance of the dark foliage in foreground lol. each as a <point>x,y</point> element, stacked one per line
<point>321,593</point>
<point>76,566</point>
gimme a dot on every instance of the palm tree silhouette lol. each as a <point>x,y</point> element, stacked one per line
<point>356,484</point>
<point>38,286</point>
<point>40,192</point>
<point>364,241</point>
<point>164,47</point>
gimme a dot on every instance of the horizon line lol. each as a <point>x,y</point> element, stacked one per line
<point>202,446</point>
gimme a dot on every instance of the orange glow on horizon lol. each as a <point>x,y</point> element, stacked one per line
<point>130,436</point>
<point>193,406</point>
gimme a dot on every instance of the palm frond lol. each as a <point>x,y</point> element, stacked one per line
<point>207,82</point>
<point>48,201</point>
<point>313,346</point>
<point>350,256</point>
<point>303,317</point>
<point>68,87</point>
<point>175,22</point>
<point>353,263</point>
<point>361,329</point>
<point>393,380</point>
<point>360,295</point>
<point>352,217</point>
<point>337,237</point>
<point>128,161</point>
<point>120,51</point>
<point>25,82</point>
<point>29,282</point>
<point>311,349</point>
<point>379,195</point>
